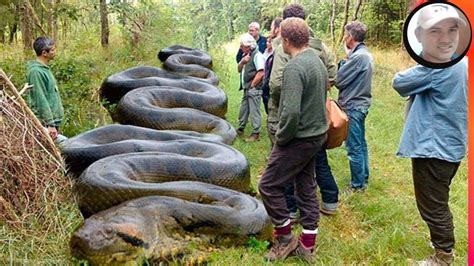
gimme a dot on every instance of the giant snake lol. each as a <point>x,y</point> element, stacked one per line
<point>130,178</point>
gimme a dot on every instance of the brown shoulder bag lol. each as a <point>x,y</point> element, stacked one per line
<point>338,123</point>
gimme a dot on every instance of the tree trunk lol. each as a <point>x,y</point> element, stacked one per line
<point>2,36</point>
<point>55,21</point>
<point>357,9</point>
<point>346,17</point>
<point>13,30</point>
<point>104,24</point>
<point>50,6</point>
<point>26,31</point>
<point>36,20</point>
<point>331,22</point>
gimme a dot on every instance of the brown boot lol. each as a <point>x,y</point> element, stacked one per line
<point>440,258</point>
<point>307,255</point>
<point>240,133</point>
<point>282,247</point>
<point>253,137</point>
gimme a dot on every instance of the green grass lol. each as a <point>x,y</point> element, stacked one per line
<point>381,226</point>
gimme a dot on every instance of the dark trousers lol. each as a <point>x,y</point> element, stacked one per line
<point>324,180</point>
<point>293,163</point>
<point>432,178</point>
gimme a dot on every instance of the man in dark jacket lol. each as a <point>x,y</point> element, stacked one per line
<point>254,30</point>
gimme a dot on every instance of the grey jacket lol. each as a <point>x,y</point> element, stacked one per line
<point>354,79</point>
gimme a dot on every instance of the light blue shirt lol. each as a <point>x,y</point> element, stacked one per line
<point>436,124</point>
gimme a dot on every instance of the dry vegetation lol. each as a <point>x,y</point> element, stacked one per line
<point>33,189</point>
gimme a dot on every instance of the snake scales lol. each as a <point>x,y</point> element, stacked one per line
<point>130,177</point>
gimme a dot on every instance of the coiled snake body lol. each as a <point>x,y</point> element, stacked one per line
<point>129,178</point>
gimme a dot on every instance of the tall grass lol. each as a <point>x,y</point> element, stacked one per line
<point>380,226</point>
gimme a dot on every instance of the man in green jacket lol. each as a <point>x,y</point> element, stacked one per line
<point>43,98</point>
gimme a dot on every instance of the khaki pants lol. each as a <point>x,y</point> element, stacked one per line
<point>250,106</point>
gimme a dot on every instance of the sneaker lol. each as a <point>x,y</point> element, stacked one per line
<point>240,133</point>
<point>440,258</point>
<point>253,137</point>
<point>294,217</point>
<point>281,248</point>
<point>350,190</point>
<point>307,255</point>
<point>327,211</point>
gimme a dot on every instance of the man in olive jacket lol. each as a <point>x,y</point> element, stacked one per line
<point>300,134</point>
<point>43,98</point>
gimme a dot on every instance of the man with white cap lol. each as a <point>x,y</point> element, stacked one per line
<point>438,32</point>
<point>251,73</point>
<point>435,132</point>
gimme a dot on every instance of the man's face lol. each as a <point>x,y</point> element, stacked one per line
<point>347,39</point>
<point>254,32</point>
<point>51,53</point>
<point>274,31</point>
<point>440,41</point>
<point>245,49</point>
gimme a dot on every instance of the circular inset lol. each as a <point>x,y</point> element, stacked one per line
<point>437,34</point>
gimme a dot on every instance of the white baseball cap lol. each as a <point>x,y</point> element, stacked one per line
<point>435,13</point>
<point>248,40</point>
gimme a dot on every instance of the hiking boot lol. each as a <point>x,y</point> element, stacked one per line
<point>307,255</point>
<point>440,258</point>
<point>240,133</point>
<point>282,247</point>
<point>253,137</point>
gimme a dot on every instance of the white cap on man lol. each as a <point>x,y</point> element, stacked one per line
<point>247,40</point>
<point>435,13</point>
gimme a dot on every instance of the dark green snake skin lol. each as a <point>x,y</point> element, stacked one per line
<point>162,195</point>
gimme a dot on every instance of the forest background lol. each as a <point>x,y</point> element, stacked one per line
<point>98,38</point>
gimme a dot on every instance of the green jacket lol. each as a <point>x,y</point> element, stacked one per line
<point>43,98</point>
<point>279,61</point>
<point>302,111</point>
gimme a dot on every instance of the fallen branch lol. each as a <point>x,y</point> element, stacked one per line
<point>10,89</point>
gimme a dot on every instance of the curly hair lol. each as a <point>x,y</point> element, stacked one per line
<point>357,30</point>
<point>294,10</point>
<point>296,31</point>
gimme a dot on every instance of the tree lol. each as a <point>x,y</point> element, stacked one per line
<point>26,29</point>
<point>104,23</point>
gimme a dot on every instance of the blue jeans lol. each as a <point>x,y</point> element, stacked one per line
<point>325,181</point>
<point>356,147</point>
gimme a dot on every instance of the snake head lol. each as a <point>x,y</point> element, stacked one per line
<point>108,242</point>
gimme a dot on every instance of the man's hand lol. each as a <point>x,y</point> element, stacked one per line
<point>245,59</point>
<point>347,50</point>
<point>53,132</point>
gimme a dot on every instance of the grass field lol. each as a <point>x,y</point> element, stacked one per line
<point>380,226</point>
